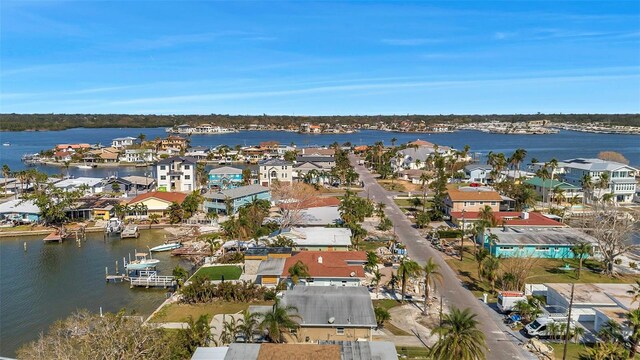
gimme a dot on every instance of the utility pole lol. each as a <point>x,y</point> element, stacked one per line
<point>566,334</point>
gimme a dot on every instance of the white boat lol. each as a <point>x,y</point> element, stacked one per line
<point>84,166</point>
<point>142,263</point>
<point>6,144</point>
<point>114,226</point>
<point>166,247</point>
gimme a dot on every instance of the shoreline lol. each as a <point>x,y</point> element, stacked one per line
<point>92,229</point>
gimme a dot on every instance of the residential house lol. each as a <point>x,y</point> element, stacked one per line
<point>225,177</point>
<point>20,211</point>
<point>173,142</point>
<point>506,218</point>
<point>91,185</point>
<point>63,155</point>
<point>72,147</point>
<point>120,184</point>
<point>158,202</point>
<point>316,151</point>
<point>275,170</point>
<point>543,242</point>
<point>415,176</point>
<point>123,142</point>
<point>254,256</point>
<point>234,198</point>
<point>478,173</point>
<point>317,238</point>
<point>105,155</point>
<point>336,268</point>
<point>139,155</point>
<point>140,183</point>
<point>334,313</point>
<point>417,153</point>
<point>622,182</point>
<point>471,199</point>
<point>547,188</point>
<point>176,173</point>
<point>198,152</point>
<point>317,211</point>
<point>323,350</point>
<point>93,207</point>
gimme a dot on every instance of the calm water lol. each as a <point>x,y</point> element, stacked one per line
<point>50,281</point>
<point>566,144</point>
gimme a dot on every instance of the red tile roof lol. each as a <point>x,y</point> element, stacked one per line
<point>334,263</point>
<point>421,143</point>
<point>160,195</point>
<point>511,218</point>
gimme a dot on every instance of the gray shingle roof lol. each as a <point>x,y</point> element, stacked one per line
<point>347,306</point>
<point>271,267</point>
<point>274,162</point>
<point>541,236</point>
<point>239,351</point>
<point>183,159</point>
<point>238,192</point>
<point>226,170</point>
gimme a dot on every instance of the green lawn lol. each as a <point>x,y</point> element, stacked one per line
<point>388,304</point>
<point>573,350</point>
<point>392,185</point>
<point>181,312</point>
<point>230,272</point>
<point>371,245</point>
<point>408,352</point>
<point>545,271</point>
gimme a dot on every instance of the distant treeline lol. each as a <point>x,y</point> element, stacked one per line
<point>21,122</point>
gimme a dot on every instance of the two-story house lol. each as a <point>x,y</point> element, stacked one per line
<point>622,182</point>
<point>138,155</point>
<point>478,173</point>
<point>173,142</point>
<point>471,199</point>
<point>123,142</point>
<point>176,173</point>
<point>225,177</point>
<point>223,201</point>
<point>275,170</point>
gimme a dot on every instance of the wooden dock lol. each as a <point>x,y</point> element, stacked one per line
<point>53,237</point>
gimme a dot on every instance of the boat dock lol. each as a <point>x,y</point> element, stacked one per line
<point>131,231</point>
<point>148,278</point>
<point>53,237</point>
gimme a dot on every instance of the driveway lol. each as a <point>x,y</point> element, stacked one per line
<point>502,344</point>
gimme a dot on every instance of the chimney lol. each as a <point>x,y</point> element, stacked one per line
<point>319,259</point>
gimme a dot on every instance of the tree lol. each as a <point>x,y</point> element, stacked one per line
<point>382,315</point>
<point>358,233</point>
<point>154,219</point>
<point>180,274</point>
<point>582,251</point>
<point>528,309</point>
<point>432,275</point>
<point>281,241</point>
<point>198,332</point>
<point>459,337</point>
<point>406,270</point>
<point>480,256</point>
<point>54,202</point>
<point>248,325</point>
<point>635,293</point>
<point>610,331</point>
<point>176,213</point>
<point>246,176</point>
<point>612,228</point>
<point>422,219</point>
<point>632,320</point>
<point>372,261</point>
<point>604,351</point>
<point>298,271</point>
<point>613,156</point>
<point>229,331</point>
<point>293,200</point>
<point>486,214</point>
<point>377,278</point>
<point>278,321</point>
<point>6,171</point>
<point>491,265</point>
<point>385,224</point>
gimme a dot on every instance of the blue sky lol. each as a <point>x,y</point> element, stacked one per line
<point>319,58</point>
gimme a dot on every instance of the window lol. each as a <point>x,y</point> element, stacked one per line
<point>493,203</point>
<point>187,177</point>
<point>187,167</point>
<point>339,331</point>
<point>162,167</point>
<point>542,248</point>
<point>344,282</point>
<point>472,202</point>
<point>506,248</point>
<point>162,177</point>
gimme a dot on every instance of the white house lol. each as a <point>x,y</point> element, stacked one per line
<point>92,185</point>
<point>123,142</point>
<point>622,181</point>
<point>176,173</point>
<point>139,155</point>
<point>478,173</point>
<point>273,170</point>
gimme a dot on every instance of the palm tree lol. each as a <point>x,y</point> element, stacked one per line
<point>432,275</point>
<point>278,321</point>
<point>6,171</point>
<point>582,251</point>
<point>229,331</point>
<point>459,337</point>
<point>633,322</point>
<point>604,351</point>
<point>635,293</point>
<point>408,268</point>
<point>154,219</point>
<point>382,315</point>
<point>197,332</point>
<point>298,271</point>
<point>481,254</point>
<point>377,278</point>
<point>587,186</point>
<point>248,325</point>
<point>486,214</point>
<point>577,333</point>
<point>491,265</point>
<point>603,183</point>
<point>372,261</point>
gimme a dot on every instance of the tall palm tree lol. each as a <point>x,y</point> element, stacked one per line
<point>278,321</point>
<point>372,261</point>
<point>481,254</point>
<point>632,320</point>
<point>407,269</point>
<point>587,186</point>
<point>432,275</point>
<point>298,271</point>
<point>491,266</point>
<point>248,325</point>
<point>603,183</point>
<point>6,171</point>
<point>486,214</point>
<point>582,251</point>
<point>229,331</point>
<point>459,337</point>
<point>377,278</point>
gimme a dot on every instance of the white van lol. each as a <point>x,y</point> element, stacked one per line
<point>540,326</point>
<point>508,299</point>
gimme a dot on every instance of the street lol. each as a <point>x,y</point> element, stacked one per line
<point>501,343</point>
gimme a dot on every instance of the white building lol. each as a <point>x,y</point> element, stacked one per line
<point>123,142</point>
<point>274,170</point>
<point>91,185</point>
<point>317,238</point>
<point>139,155</point>
<point>622,181</point>
<point>176,173</point>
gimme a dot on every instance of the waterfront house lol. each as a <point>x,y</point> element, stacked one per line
<point>543,242</point>
<point>63,155</point>
<point>90,185</point>
<point>105,155</point>
<point>317,151</point>
<point>338,313</point>
<point>123,142</point>
<point>254,256</point>
<point>322,350</point>
<point>471,199</point>
<point>317,211</point>
<point>317,238</point>
<point>173,142</point>
<point>176,173</point>
<point>622,181</point>
<point>140,183</point>
<point>547,187</point>
<point>478,173</point>
<point>120,184</point>
<point>72,147</point>
<point>19,211</point>
<point>275,170</point>
<point>198,152</point>
<point>218,200</point>
<point>225,177</point>
<point>93,207</point>
<point>158,202</point>
<point>139,156</point>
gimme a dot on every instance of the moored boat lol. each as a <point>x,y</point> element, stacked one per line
<point>166,247</point>
<point>142,263</point>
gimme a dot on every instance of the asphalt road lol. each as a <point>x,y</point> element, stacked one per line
<point>501,343</point>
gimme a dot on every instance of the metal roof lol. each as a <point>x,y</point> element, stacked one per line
<point>226,170</point>
<point>317,236</point>
<point>19,206</point>
<point>211,353</point>
<point>364,350</point>
<point>236,193</point>
<point>541,236</point>
<point>240,351</point>
<point>593,164</point>
<point>274,162</point>
<point>181,159</point>
<point>271,266</point>
<point>75,182</point>
<point>334,306</point>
